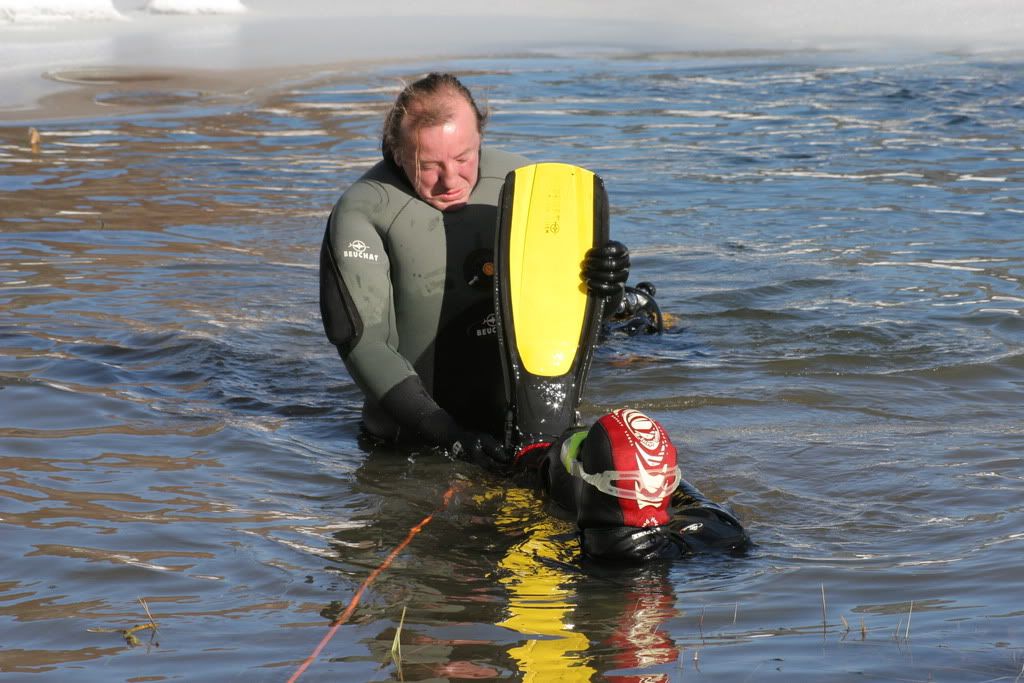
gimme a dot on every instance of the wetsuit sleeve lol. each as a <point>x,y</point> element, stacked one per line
<point>340,318</point>
<point>357,307</point>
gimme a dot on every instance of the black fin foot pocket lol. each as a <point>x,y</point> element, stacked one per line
<point>710,528</point>
<point>632,545</point>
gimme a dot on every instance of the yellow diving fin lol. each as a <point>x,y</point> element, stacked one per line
<point>550,214</point>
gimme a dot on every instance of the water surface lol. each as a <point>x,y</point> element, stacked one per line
<point>836,236</point>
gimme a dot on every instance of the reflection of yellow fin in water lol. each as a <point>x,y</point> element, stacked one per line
<point>550,215</point>
<point>541,595</point>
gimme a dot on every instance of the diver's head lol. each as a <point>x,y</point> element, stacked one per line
<point>627,471</point>
<point>433,133</point>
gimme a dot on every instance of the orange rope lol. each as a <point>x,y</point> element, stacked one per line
<point>344,617</point>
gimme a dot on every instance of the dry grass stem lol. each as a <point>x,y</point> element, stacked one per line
<point>130,639</point>
<point>906,635</point>
<point>396,644</point>
<point>148,613</point>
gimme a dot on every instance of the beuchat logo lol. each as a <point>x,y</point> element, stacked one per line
<point>358,249</point>
<point>487,326</point>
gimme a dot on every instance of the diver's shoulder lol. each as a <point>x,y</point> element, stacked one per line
<point>380,188</point>
<point>383,176</point>
<point>496,163</point>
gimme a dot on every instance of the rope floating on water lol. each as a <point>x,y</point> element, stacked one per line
<point>344,616</point>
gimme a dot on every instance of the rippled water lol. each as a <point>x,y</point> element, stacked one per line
<point>837,237</point>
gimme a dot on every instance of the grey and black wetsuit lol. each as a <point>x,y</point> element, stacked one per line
<point>407,297</point>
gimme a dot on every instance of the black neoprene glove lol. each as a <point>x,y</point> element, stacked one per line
<point>605,269</point>
<point>440,428</point>
<point>481,449</point>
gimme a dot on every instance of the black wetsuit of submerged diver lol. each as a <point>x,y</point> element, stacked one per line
<point>407,297</point>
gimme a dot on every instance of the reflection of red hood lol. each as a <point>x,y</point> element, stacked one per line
<point>638,641</point>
